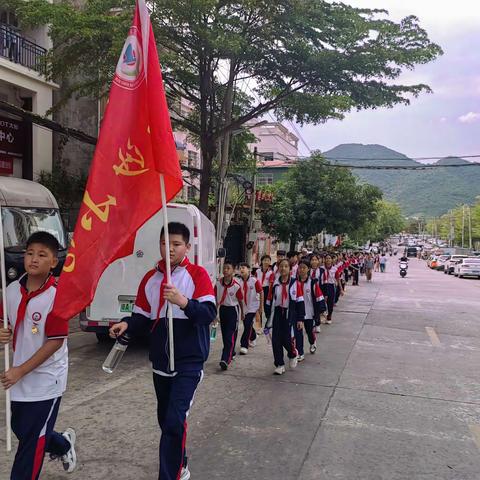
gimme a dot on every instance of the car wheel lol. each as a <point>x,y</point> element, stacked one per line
<point>460,276</point>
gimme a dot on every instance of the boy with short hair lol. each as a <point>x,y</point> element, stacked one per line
<point>252,306</point>
<point>229,297</point>
<point>192,300</point>
<point>38,376</point>
<point>293,260</point>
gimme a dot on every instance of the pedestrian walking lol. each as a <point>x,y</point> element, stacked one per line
<point>376,263</point>
<point>328,283</point>
<point>369,265</point>
<point>284,308</point>
<point>191,298</point>
<point>229,297</point>
<point>252,306</point>
<point>38,376</point>
<point>314,306</point>
<point>265,276</point>
<point>383,263</point>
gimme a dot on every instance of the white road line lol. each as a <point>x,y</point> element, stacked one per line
<point>433,336</point>
<point>97,390</point>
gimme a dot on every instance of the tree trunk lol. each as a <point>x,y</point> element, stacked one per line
<point>293,243</point>
<point>208,154</point>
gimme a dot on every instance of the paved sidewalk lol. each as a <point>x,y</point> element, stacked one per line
<point>391,394</point>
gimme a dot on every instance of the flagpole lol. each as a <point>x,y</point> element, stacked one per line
<point>8,410</point>
<point>171,347</point>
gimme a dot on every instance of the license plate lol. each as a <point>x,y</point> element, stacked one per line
<point>126,307</point>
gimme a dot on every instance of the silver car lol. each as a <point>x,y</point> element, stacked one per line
<point>468,267</point>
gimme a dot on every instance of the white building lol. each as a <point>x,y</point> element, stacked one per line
<point>274,141</point>
<point>25,149</point>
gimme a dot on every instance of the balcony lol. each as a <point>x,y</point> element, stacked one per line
<point>19,50</point>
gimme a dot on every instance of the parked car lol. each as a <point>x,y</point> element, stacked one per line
<point>468,267</point>
<point>450,263</point>
<point>441,262</point>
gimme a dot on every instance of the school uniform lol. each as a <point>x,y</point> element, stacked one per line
<point>191,333</point>
<point>355,268</point>
<point>265,279</point>
<point>285,307</point>
<point>328,284</point>
<point>229,297</point>
<point>314,303</point>
<point>251,289</point>
<point>36,397</point>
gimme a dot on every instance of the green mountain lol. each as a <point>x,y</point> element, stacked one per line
<point>419,192</point>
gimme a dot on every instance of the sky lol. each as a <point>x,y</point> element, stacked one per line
<point>444,123</point>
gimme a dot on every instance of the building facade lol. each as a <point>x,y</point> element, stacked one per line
<point>25,149</point>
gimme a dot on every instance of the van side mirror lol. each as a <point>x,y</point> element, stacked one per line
<point>221,253</point>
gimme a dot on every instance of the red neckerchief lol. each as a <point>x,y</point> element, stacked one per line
<point>162,268</point>
<point>225,289</point>
<point>245,290</point>
<point>284,290</point>
<point>264,274</point>
<point>326,275</point>
<point>26,297</point>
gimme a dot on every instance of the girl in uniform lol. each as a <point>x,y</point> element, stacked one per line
<point>284,308</point>
<point>328,283</point>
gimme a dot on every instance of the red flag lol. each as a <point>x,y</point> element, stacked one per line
<point>123,190</point>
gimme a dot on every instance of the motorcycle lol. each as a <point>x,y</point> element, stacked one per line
<point>403,269</point>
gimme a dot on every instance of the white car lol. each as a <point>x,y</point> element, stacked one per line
<point>450,263</point>
<point>468,267</point>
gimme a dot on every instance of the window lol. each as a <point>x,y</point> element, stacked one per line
<point>265,179</point>
<point>192,159</point>
<point>191,193</point>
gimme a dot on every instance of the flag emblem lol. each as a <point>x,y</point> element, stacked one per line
<point>129,72</point>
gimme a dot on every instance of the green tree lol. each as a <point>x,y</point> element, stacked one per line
<point>307,60</point>
<point>387,220</point>
<point>314,197</point>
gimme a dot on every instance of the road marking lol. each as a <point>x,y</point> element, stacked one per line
<point>97,390</point>
<point>433,336</point>
<point>475,431</point>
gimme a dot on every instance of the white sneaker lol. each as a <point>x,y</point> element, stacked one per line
<point>293,363</point>
<point>253,343</point>
<point>279,370</point>
<point>243,351</point>
<point>313,348</point>
<point>301,358</point>
<point>328,322</point>
<point>69,460</point>
<point>185,475</point>
<point>318,329</point>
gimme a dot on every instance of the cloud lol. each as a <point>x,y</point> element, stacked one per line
<point>469,117</point>
<point>443,119</point>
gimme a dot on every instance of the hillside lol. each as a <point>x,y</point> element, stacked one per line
<point>421,192</point>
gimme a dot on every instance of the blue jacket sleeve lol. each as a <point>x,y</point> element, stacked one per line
<point>201,313</point>
<point>138,324</point>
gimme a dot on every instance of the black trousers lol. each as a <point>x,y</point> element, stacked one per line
<point>174,398</point>
<point>308,327</point>
<point>329,292</point>
<point>229,326</point>
<point>33,423</point>
<point>282,337</point>
<point>249,333</point>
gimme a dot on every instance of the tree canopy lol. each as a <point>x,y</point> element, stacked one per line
<point>314,197</point>
<point>306,60</point>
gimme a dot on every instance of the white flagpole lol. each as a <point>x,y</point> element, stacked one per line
<point>171,347</point>
<point>8,411</point>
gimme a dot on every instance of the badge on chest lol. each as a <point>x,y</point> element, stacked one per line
<point>36,318</point>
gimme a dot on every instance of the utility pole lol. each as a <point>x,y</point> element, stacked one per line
<point>252,208</point>
<point>463,226</point>
<point>470,245</point>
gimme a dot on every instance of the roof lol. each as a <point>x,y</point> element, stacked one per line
<point>17,192</point>
<point>275,164</point>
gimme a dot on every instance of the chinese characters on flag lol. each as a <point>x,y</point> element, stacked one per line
<point>135,145</point>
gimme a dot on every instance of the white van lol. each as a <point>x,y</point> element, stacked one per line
<point>28,207</point>
<point>117,288</point>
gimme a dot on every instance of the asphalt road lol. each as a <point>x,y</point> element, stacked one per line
<point>391,394</point>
